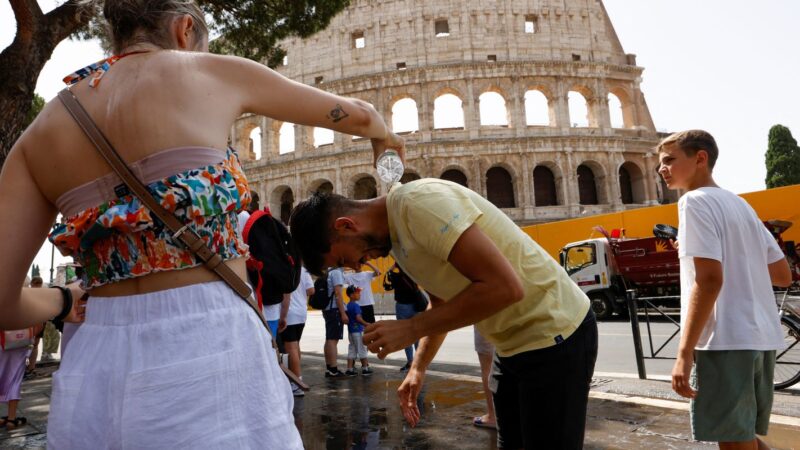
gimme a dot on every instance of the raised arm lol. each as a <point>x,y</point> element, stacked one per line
<point>374,269</point>
<point>266,92</point>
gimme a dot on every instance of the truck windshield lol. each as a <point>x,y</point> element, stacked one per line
<point>579,257</point>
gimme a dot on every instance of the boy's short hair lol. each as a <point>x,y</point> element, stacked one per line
<point>37,281</point>
<point>352,289</point>
<point>692,141</point>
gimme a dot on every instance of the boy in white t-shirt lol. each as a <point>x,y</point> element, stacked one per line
<point>729,320</point>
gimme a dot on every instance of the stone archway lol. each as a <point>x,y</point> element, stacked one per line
<point>544,187</point>
<point>500,187</point>
<point>456,176</point>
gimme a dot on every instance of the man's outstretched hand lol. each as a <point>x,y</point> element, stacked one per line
<point>408,392</point>
<point>388,336</point>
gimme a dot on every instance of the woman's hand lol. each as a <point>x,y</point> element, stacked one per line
<point>392,141</point>
<point>79,297</point>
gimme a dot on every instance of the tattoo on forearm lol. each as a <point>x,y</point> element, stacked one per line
<point>337,114</point>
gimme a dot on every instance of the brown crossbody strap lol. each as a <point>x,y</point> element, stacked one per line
<point>182,232</point>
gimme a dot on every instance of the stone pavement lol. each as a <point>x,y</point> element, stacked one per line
<point>362,412</point>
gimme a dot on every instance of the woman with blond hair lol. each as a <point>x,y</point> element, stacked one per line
<point>167,106</point>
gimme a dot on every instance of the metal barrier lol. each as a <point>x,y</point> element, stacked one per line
<point>633,311</point>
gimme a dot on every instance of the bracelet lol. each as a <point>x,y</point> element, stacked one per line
<point>66,295</point>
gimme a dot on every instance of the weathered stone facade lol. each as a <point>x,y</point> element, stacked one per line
<point>383,51</point>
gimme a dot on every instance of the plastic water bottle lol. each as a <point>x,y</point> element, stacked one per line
<point>390,167</point>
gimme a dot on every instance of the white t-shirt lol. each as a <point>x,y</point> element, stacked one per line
<point>298,308</point>
<point>272,312</point>
<point>335,278</point>
<point>364,281</point>
<point>720,225</point>
<point>242,219</point>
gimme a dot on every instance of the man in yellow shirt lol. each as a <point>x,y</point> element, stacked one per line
<point>479,268</point>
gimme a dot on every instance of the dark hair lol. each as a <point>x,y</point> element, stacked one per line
<point>312,227</point>
<point>135,21</point>
<point>38,281</point>
<point>351,290</point>
<point>692,141</point>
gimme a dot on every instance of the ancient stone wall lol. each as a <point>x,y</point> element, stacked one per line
<point>422,50</point>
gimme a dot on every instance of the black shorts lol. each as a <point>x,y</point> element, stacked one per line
<point>540,396</point>
<point>368,313</point>
<point>292,333</point>
<point>334,327</point>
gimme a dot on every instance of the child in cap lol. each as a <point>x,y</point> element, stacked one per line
<point>355,328</point>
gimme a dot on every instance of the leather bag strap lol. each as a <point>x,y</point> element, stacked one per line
<point>182,232</point>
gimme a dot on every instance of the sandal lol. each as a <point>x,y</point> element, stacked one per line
<point>15,423</point>
<point>478,422</point>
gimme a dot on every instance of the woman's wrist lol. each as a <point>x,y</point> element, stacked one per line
<point>66,305</point>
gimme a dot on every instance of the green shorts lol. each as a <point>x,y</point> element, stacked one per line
<point>734,394</point>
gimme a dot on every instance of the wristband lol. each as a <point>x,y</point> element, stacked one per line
<point>66,295</point>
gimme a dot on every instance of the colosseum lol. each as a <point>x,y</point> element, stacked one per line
<point>532,103</point>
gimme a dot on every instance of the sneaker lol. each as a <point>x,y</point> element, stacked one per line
<point>366,371</point>
<point>47,357</point>
<point>296,391</point>
<point>334,373</point>
<point>351,372</point>
<point>406,367</point>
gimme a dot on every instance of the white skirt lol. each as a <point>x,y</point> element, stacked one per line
<point>190,367</point>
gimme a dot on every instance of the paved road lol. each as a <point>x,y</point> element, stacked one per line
<point>615,358</point>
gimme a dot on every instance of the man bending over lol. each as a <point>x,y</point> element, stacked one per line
<point>479,268</point>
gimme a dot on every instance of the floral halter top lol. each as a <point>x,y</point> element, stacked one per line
<point>120,239</point>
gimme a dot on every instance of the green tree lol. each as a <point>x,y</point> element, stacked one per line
<point>248,28</point>
<point>782,158</point>
<point>36,107</point>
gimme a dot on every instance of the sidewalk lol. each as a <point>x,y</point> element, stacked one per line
<point>336,414</point>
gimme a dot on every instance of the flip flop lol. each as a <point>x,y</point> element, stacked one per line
<point>478,422</point>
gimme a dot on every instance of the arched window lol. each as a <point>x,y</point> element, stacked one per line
<point>625,188</point>
<point>365,188</point>
<point>287,203</point>
<point>456,176</point>
<point>500,188</point>
<point>409,176</point>
<point>615,112</point>
<point>631,184</point>
<point>587,188</point>
<point>544,187</point>
<point>286,139</point>
<point>578,109</point>
<point>322,136</point>
<point>325,188</point>
<point>493,109</point>
<point>255,142</point>
<point>405,116</point>
<point>537,110</point>
<point>447,112</point>
<point>254,200</point>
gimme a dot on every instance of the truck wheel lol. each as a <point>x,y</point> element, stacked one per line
<point>602,307</point>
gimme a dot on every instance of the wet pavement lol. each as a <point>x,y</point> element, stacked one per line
<point>363,413</point>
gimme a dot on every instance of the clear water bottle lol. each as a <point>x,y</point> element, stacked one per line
<point>390,167</point>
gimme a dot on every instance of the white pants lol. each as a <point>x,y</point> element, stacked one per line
<point>190,367</point>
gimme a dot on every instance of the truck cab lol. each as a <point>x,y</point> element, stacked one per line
<point>589,264</point>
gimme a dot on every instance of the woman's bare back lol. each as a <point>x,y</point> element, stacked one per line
<point>144,104</point>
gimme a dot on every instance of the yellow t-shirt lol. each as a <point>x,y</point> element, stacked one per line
<point>426,218</point>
